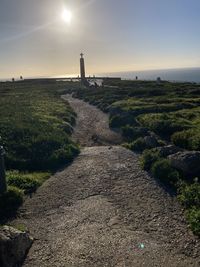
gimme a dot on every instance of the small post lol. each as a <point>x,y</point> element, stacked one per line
<point>3,184</point>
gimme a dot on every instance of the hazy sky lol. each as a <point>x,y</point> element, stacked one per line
<point>115,35</point>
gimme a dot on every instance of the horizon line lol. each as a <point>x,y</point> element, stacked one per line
<point>75,75</point>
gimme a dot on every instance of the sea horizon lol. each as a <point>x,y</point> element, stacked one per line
<point>173,75</point>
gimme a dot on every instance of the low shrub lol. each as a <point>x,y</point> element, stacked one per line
<point>193,218</point>
<point>161,142</point>
<point>148,158</point>
<point>189,195</point>
<point>28,182</point>
<point>63,156</point>
<point>118,121</point>
<point>44,153</point>
<point>167,127</point>
<point>138,145</point>
<point>163,171</point>
<point>10,202</point>
<point>163,124</point>
<point>189,139</point>
<point>132,133</point>
<point>23,182</point>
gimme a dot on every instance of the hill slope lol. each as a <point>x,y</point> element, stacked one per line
<point>103,210</point>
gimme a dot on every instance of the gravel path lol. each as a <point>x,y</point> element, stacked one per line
<point>103,210</point>
<point>92,125</point>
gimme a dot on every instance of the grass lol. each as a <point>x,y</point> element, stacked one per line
<point>149,157</point>
<point>189,195</point>
<point>27,182</point>
<point>21,227</point>
<point>138,145</point>
<point>170,110</point>
<point>189,139</point>
<point>35,126</point>
<point>166,108</point>
<point>193,217</point>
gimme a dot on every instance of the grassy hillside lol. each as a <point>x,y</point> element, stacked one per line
<point>35,127</point>
<point>172,112</point>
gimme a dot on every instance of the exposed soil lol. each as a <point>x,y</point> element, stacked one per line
<point>103,210</point>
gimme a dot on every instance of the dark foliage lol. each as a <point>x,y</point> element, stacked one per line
<point>148,158</point>
<point>163,171</point>
<point>10,202</point>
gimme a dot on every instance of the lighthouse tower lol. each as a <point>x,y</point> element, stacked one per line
<point>82,68</point>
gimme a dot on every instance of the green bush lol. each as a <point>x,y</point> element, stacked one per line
<point>10,202</point>
<point>63,155</point>
<point>166,127</point>
<point>163,124</point>
<point>138,145</point>
<point>115,121</point>
<point>148,158</point>
<point>23,182</point>
<point>118,121</point>
<point>44,152</point>
<point>189,139</point>
<point>189,195</point>
<point>163,171</point>
<point>193,217</point>
<point>132,133</point>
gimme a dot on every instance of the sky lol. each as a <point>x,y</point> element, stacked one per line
<point>114,35</point>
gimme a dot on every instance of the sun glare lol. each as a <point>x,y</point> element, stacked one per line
<point>67,16</point>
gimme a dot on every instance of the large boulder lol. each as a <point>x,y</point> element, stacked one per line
<point>165,151</point>
<point>14,246</point>
<point>187,162</point>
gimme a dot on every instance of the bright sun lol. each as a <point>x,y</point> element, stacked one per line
<point>67,16</point>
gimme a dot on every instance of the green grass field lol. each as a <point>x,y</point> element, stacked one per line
<point>36,124</point>
<point>171,110</point>
<point>35,129</point>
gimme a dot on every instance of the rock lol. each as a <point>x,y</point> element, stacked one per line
<point>14,246</point>
<point>151,141</point>
<point>187,162</point>
<point>165,151</point>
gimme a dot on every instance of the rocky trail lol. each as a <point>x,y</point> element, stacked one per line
<point>103,210</point>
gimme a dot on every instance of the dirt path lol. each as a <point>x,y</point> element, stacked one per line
<point>103,210</point>
<point>92,126</point>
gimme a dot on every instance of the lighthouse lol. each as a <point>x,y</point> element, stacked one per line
<point>82,68</point>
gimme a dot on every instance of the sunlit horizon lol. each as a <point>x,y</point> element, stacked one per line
<point>45,39</point>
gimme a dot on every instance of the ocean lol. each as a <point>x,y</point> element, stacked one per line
<point>173,75</point>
